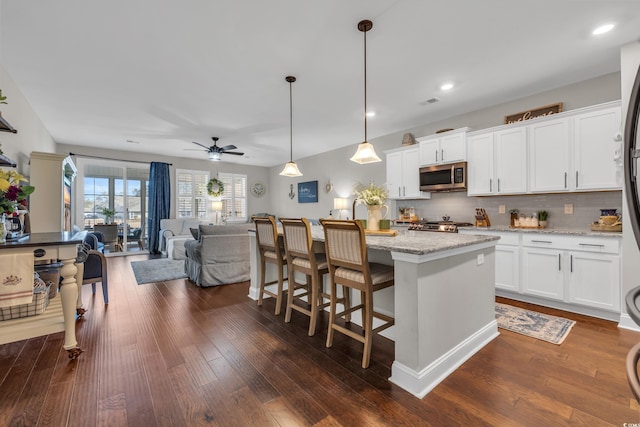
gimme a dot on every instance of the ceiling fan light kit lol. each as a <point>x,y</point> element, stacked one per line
<point>366,153</point>
<point>290,169</point>
<point>215,152</point>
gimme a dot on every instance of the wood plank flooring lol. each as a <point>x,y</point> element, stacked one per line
<point>172,354</point>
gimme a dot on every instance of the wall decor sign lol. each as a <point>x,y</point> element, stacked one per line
<point>547,110</point>
<point>308,192</point>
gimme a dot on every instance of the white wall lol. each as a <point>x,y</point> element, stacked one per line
<point>31,136</point>
<point>630,61</point>
<point>335,165</point>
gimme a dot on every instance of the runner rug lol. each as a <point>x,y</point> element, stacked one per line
<point>158,270</point>
<point>533,324</point>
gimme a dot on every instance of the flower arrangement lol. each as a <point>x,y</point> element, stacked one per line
<point>371,194</point>
<point>11,192</point>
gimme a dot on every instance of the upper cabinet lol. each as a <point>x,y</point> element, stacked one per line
<point>594,147</point>
<point>403,174</point>
<point>497,162</point>
<point>549,156</point>
<point>448,147</point>
<point>570,151</point>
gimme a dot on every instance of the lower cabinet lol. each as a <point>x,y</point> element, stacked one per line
<point>542,273</point>
<point>594,280</point>
<point>572,271</point>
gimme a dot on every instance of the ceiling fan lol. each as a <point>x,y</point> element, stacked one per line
<point>216,152</point>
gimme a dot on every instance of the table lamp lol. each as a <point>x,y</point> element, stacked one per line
<point>340,203</point>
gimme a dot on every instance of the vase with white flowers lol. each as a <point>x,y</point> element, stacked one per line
<point>373,197</point>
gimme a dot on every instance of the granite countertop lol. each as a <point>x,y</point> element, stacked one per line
<point>566,232</point>
<point>417,243</point>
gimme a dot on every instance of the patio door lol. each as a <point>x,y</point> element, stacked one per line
<point>114,193</point>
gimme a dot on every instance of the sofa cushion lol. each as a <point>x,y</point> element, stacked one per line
<point>188,224</point>
<point>225,229</point>
<point>195,232</point>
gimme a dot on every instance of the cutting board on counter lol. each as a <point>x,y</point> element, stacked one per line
<point>389,233</point>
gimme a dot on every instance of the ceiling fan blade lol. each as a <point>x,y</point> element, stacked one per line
<point>196,149</point>
<point>203,146</point>
<point>234,152</point>
<point>228,147</point>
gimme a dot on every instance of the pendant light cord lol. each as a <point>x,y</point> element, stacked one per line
<point>365,85</point>
<point>290,121</point>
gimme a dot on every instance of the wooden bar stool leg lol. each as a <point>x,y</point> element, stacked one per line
<point>263,269</point>
<point>280,290</point>
<point>367,322</point>
<point>290,293</point>
<point>332,313</point>
<point>314,303</point>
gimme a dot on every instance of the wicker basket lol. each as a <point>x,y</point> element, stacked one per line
<point>37,306</point>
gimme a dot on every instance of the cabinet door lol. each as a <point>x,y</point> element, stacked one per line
<point>507,268</point>
<point>549,151</point>
<point>430,152</point>
<point>594,147</point>
<point>595,280</point>
<point>511,161</point>
<point>411,173</point>
<point>394,174</point>
<point>480,164</point>
<point>542,273</point>
<point>453,148</point>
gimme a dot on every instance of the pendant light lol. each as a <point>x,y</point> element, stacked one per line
<point>290,169</point>
<point>366,153</point>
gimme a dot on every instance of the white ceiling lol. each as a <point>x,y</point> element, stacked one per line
<point>164,73</point>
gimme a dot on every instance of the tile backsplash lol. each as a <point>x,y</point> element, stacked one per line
<point>460,207</point>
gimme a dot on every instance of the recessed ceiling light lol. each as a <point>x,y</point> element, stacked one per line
<point>603,29</point>
<point>371,113</point>
<point>447,86</point>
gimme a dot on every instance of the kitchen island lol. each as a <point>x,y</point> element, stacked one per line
<point>48,248</point>
<point>443,300</point>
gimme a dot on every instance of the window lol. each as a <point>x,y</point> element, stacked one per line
<point>96,197</point>
<point>234,199</point>
<point>192,193</point>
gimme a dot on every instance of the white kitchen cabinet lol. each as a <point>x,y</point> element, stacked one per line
<point>511,160</point>
<point>480,164</point>
<point>449,147</point>
<point>542,273</point>
<point>594,134</point>
<point>403,174</point>
<point>594,280</point>
<point>549,156</point>
<point>507,258</point>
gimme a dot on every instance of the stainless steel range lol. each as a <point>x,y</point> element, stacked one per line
<point>441,226</point>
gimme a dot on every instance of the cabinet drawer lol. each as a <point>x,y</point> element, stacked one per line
<point>41,254</point>
<point>573,243</point>
<point>506,238</point>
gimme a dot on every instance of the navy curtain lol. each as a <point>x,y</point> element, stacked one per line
<point>159,202</point>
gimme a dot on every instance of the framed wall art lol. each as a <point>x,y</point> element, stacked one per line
<point>308,192</point>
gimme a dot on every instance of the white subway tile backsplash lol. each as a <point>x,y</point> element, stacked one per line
<point>460,207</point>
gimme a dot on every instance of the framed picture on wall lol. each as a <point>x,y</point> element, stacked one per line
<point>308,192</point>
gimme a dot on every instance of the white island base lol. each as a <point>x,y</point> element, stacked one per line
<point>443,302</point>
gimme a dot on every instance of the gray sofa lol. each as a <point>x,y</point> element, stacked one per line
<point>219,256</point>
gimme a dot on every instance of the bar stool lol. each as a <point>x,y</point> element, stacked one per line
<point>302,258</point>
<point>270,252</point>
<point>349,266</point>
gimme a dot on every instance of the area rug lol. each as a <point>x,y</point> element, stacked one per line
<point>533,324</point>
<point>158,270</point>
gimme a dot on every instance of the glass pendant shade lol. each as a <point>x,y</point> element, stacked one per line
<point>291,169</point>
<point>365,154</point>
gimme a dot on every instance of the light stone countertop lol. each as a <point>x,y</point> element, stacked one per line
<point>579,232</point>
<point>416,242</point>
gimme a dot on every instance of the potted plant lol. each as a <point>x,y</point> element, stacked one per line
<point>108,215</point>
<point>542,218</point>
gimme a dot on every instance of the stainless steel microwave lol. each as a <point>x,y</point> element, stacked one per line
<point>447,177</point>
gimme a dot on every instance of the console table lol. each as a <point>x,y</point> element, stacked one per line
<point>52,247</point>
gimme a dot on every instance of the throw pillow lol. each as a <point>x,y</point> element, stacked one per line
<point>195,233</point>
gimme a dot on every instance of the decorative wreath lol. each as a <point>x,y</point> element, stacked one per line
<point>215,187</point>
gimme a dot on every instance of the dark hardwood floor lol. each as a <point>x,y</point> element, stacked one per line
<point>172,354</point>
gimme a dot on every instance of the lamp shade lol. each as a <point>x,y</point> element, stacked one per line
<point>340,203</point>
<point>216,206</point>
<point>365,154</point>
<point>291,169</point>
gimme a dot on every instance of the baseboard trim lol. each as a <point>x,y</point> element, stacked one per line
<point>421,383</point>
